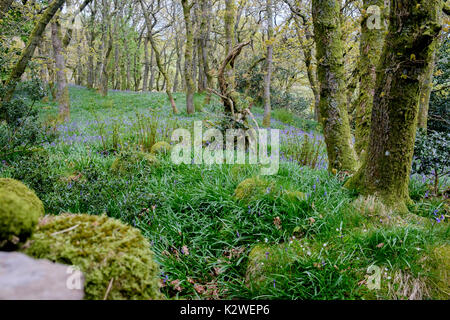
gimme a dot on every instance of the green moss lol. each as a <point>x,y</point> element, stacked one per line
<point>250,188</point>
<point>18,218</point>
<point>265,260</point>
<point>161,147</point>
<point>294,196</point>
<point>23,192</point>
<point>105,249</point>
<point>126,161</point>
<point>440,272</point>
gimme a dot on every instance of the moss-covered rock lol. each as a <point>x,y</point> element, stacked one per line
<point>115,258</point>
<point>440,272</point>
<point>23,192</point>
<point>126,161</point>
<point>265,260</point>
<point>251,188</point>
<point>18,218</point>
<point>294,196</point>
<point>161,147</point>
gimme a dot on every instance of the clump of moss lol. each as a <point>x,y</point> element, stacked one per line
<point>18,218</point>
<point>127,160</point>
<point>265,260</point>
<point>115,258</point>
<point>161,147</point>
<point>23,192</point>
<point>440,272</point>
<point>294,196</point>
<point>252,188</point>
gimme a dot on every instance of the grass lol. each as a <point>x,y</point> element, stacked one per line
<point>202,236</point>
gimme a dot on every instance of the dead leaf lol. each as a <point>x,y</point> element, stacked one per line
<point>312,220</point>
<point>199,288</point>
<point>185,250</point>
<point>277,222</point>
<point>176,285</point>
<point>380,245</point>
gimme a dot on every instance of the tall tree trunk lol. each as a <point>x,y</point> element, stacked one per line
<point>178,64</point>
<point>146,66</point>
<point>28,51</point>
<point>268,75</point>
<point>333,107</point>
<point>62,91</point>
<point>188,53</point>
<point>425,92</point>
<point>152,71</point>
<point>407,54</point>
<point>373,31</point>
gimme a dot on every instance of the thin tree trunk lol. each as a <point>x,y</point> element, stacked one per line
<point>407,54</point>
<point>62,91</point>
<point>188,70</point>
<point>425,93</point>
<point>268,75</point>
<point>146,66</point>
<point>371,46</point>
<point>333,108</point>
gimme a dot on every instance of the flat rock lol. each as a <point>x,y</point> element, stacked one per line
<point>25,278</point>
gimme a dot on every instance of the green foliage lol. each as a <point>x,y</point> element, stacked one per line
<point>108,252</point>
<point>305,149</point>
<point>201,236</point>
<point>432,154</point>
<point>438,113</point>
<point>20,128</point>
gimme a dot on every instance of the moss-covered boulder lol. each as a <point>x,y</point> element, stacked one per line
<point>126,161</point>
<point>251,188</point>
<point>440,272</point>
<point>294,196</point>
<point>266,260</point>
<point>18,218</point>
<point>115,258</point>
<point>161,147</point>
<point>23,192</point>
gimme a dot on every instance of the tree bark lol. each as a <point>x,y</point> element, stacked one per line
<point>188,57</point>
<point>408,51</point>
<point>425,92</point>
<point>62,91</point>
<point>268,75</point>
<point>373,31</point>
<point>333,108</point>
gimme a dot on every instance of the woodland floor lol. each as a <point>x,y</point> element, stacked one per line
<point>202,236</point>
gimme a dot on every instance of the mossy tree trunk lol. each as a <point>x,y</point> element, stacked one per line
<point>373,31</point>
<point>425,92</point>
<point>28,51</point>
<point>188,56</point>
<point>408,51</point>
<point>331,75</point>
<point>62,90</point>
<point>269,62</point>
